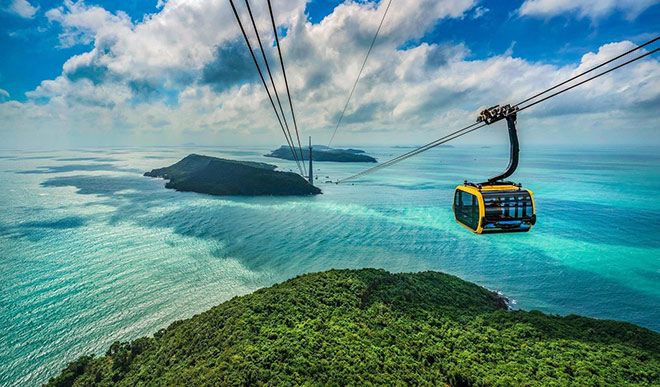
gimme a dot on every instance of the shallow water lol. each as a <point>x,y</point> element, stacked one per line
<point>92,252</point>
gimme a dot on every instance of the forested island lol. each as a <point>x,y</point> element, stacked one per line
<point>360,327</point>
<point>324,153</point>
<point>216,176</point>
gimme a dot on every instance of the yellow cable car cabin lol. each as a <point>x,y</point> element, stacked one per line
<point>496,205</point>
<point>494,208</point>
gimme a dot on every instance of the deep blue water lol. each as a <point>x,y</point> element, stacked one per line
<point>92,252</point>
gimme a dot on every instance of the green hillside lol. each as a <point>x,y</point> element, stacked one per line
<point>362,327</point>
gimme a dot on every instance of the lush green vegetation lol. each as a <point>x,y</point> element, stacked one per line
<point>215,176</point>
<point>368,326</point>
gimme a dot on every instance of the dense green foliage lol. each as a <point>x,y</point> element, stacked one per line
<point>324,154</point>
<point>215,176</point>
<point>368,326</point>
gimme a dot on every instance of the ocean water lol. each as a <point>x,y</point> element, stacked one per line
<point>92,252</point>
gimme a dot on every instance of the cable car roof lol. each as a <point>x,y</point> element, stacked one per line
<point>492,188</point>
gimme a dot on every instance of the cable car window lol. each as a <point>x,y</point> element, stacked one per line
<point>528,207</point>
<point>467,209</point>
<point>509,206</point>
<point>512,204</point>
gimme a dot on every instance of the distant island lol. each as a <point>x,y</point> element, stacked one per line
<point>408,147</point>
<point>216,176</point>
<point>324,153</point>
<point>370,327</point>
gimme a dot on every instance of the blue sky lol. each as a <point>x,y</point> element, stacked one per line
<point>55,72</point>
<point>34,51</point>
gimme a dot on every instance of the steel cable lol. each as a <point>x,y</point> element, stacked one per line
<point>256,63</point>
<point>359,73</point>
<point>286,82</point>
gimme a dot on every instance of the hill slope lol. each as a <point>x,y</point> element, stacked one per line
<point>351,327</point>
<point>216,176</point>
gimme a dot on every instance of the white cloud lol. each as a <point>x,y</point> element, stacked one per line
<point>479,12</point>
<point>184,74</point>
<point>593,9</point>
<point>82,24</point>
<point>22,8</point>
<point>4,94</point>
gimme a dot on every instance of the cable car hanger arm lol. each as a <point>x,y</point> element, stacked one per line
<point>509,113</point>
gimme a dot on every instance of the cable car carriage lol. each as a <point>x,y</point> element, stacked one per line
<point>496,205</point>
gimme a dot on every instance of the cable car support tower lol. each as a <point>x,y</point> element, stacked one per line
<point>311,173</point>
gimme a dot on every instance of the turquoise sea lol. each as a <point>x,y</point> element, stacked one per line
<point>92,252</point>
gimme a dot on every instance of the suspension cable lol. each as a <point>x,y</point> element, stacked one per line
<point>256,63</point>
<point>588,71</point>
<point>272,82</point>
<point>286,82</point>
<point>589,79</point>
<point>471,128</point>
<point>411,153</point>
<point>359,73</point>
<point>416,151</point>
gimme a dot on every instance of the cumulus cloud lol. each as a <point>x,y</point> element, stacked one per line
<point>585,8</point>
<point>21,8</point>
<point>4,94</point>
<point>82,24</point>
<point>185,72</point>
